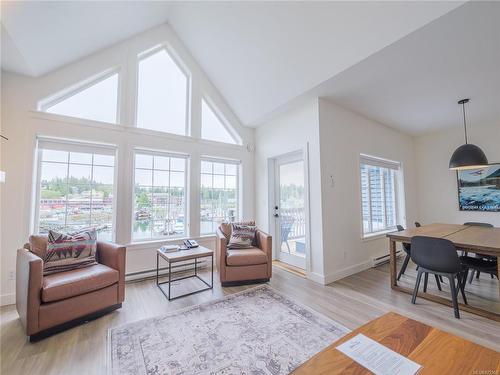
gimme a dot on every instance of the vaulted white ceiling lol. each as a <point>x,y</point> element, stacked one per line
<point>402,63</point>
<point>40,36</point>
<point>414,84</point>
<point>260,55</point>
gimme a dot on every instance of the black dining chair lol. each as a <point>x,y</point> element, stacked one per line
<point>439,257</point>
<point>479,265</point>
<point>407,250</point>
<point>481,262</point>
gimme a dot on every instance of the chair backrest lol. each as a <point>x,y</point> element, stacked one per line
<point>417,224</point>
<point>477,224</point>
<point>435,254</point>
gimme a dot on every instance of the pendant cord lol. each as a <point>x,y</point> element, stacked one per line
<point>465,123</point>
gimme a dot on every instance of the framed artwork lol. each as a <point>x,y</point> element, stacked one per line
<point>479,189</point>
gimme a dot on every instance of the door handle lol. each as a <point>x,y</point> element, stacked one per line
<point>276,215</point>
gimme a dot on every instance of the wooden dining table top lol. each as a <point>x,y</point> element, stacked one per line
<point>469,237</point>
<point>436,351</point>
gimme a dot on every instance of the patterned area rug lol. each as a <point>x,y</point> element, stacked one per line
<point>258,331</point>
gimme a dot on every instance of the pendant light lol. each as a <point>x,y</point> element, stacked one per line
<point>467,156</point>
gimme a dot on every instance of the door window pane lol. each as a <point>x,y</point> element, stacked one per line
<point>292,208</point>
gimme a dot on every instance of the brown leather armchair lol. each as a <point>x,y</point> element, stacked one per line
<point>52,303</point>
<point>243,266</point>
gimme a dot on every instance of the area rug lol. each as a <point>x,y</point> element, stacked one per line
<point>258,331</point>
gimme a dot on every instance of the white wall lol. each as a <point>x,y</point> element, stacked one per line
<point>437,186</point>
<point>345,135</point>
<point>297,129</point>
<point>22,124</point>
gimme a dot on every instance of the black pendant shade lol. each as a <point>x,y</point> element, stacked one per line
<point>467,156</point>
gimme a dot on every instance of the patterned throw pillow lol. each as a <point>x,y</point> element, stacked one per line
<point>70,251</point>
<point>226,227</point>
<point>242,236</point>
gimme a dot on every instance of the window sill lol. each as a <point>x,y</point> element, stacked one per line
<point>377,235</point>
<point>141,245</point>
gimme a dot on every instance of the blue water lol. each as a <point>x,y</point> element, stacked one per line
<point>479,198</point>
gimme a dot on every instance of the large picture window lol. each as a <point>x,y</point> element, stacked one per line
<point>219,194</point>
<point>76,188</point>
<point>212,127</point>
<point>159,196</point>
<point>379,195</point>
<point>97,100</point>
<point>162,94</point>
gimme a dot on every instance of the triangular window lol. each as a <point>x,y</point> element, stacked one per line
<point>162,94</point>
<point>96,101</point>
<point>212,128</point>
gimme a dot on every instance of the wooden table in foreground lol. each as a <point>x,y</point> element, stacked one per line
<point>465,237</point>
<point>436,351</point>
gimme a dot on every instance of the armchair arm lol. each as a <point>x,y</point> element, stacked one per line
<point>265,243</point>
<point>113,256</point>
<point>29,279</point>
<point>220,253</point>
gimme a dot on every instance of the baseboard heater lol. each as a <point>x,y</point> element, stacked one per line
<point>163,271</point>
<point>377,261</point>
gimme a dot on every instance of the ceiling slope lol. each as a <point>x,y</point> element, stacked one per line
<point>260,55</point>
<point>41,36</point>
<point>414,84</point>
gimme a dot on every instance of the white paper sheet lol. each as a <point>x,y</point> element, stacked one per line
<point>376,357</point>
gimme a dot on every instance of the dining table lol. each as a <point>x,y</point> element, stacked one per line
<point>468,238</point>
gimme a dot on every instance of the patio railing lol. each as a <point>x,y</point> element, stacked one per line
<point>295,217</point>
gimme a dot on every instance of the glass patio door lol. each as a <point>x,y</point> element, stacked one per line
<point>289,210</point>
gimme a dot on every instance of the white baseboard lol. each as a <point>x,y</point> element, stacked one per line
<point>348,271</point>
<point>7,299</point>
<point>316,277</point>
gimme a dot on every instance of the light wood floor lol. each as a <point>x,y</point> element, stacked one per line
<point>352,301</point>
<point>288,267</point>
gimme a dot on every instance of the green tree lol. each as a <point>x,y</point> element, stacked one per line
<point>143,200</point>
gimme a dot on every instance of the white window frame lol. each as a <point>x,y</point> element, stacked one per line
<point>75,146</point>
<point>45,104</point>
<point>238,165</point>
<point>398,193</point>
<point>234,135</point>
<point>145,151</point>
<point>180,64</point>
